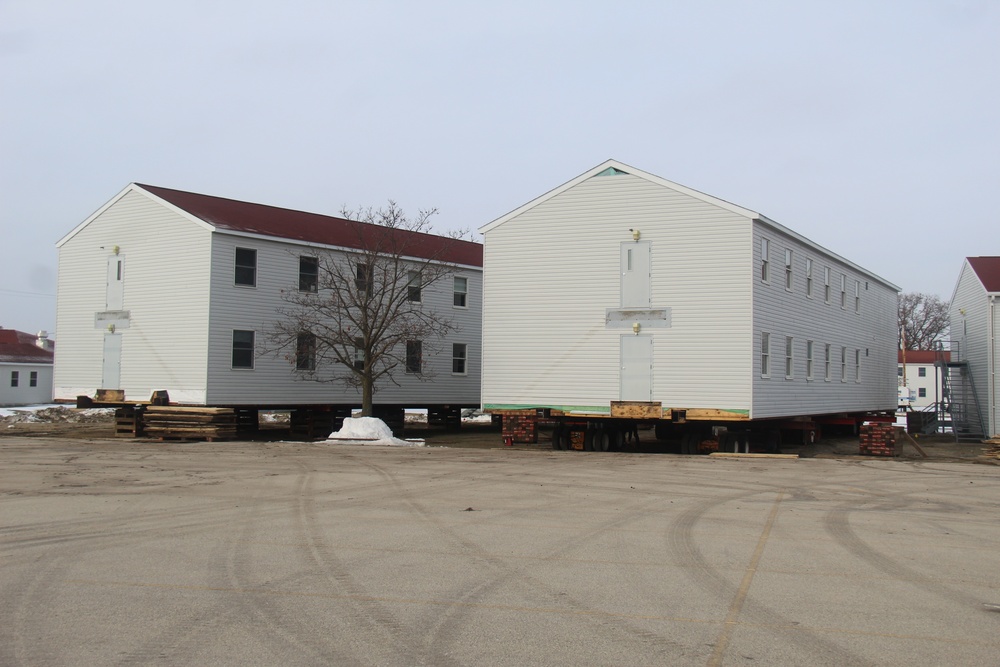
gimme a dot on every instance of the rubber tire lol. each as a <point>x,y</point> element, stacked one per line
<point>603,441</point>
<point>588,440</point>
<point>557,438</point>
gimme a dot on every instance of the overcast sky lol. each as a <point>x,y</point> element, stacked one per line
<point>870,126</point>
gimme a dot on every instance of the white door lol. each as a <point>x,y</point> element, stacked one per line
<point>116,283</point>
<point>635,274</point>
<point>111,370</point>
<point>636,368</point>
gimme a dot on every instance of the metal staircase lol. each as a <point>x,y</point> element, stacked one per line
<point>961,403</point>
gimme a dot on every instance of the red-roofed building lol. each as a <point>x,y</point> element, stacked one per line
<point>919,375</point>
<point>25,368</point>
<point>975,325</point>
<point>162,289</point>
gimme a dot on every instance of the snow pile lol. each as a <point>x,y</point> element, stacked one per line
<point>54,414</point>
<point>370,431</point>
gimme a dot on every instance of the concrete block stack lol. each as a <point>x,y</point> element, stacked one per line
<point>521,426</point>
<point>878,440</point>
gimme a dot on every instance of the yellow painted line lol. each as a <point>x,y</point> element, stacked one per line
<point>722,643</point>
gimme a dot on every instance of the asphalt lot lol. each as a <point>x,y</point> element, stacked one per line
<point>235,553</point>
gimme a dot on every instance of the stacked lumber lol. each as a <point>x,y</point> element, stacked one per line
<point>193,423</point>
<point>520,426</point>
<point>878,439</point>
<point>993,451</point>
<point>128,421</point>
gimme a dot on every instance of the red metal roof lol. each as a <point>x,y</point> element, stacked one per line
<point>988,270</point>
<point>286,223</point>
<point>923,356</point>
<point>17,347</point>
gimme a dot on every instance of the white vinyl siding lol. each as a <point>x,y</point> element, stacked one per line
<point>166,287</point>
<point>554,271</point>
<point>184,306</point>
<point>971,314</point>
<point>26,393</point>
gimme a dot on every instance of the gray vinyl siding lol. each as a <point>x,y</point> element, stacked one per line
<point>970,335</point>
<point>783,313</point>
<point>165,290</point>
<point>553,271</point>
<point>273,379</point>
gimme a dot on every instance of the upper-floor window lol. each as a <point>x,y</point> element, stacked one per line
<point>788,269</point>
<point>359,354</point>
<point>14,378</point>
<point>305,352</point>
<point>364,276</point>
<point>243,347</point>
<point>765,354</point>
<point>827,360</point>
<point>809,360</point>
<point>843,364</point>
<point>857,296</point>
<point>922,392</point>
<point>809,277</point>
<point>413,282</point>
<point>414,356</point>
<point>459,355</point>
<point>857,365</point>
<point>461,291</point>
<point>843,291</point>
<point>922,371</point>
<point>765,260</point>
<point>826,284</point>
<point>246,267</point>
<point>308,274</point>
<point>789,359</point>
<point>899,371</point>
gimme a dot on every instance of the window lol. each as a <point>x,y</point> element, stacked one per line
<point>458,357</point>
<point>413,282</point>
<point>246,267</point>
<point>922,392</point>
<point>809,278</point>
<point>843,364</point>
<point>308,274</point>
<point>857,365</point>
<point>788,270</point>
<point>305,352</point>
<point>461,291</point>
<point>765,260</point>
<point>14,377</point>
<point>243,344</point>
<point>922,371</point>
<point>765,354</point>
<point>33,379</point>
<point>828,357</point>
<point>843,291</point>
<point>857,297</point>
<point>826,284</point>
<point>809,360</point>
<point>364,276</point>
<point>414,356</point>
<point>789,361</point>
<point>359,354</point>
<point>899,371</point>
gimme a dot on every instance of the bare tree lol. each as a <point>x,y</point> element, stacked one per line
<point>362,319</point>
<point>923,321</point>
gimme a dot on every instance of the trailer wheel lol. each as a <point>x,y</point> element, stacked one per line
<point>602,441</point>
<point>557,437</point>
<point>588,440</point>
<point>617,440</point>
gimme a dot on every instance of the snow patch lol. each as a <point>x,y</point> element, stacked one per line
<point>369,431</point>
